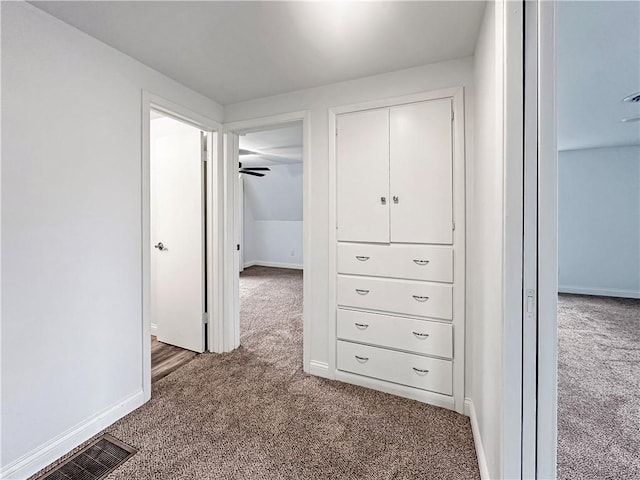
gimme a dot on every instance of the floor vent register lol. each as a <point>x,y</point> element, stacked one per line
<point>94,462</point>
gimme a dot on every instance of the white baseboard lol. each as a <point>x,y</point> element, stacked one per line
<point>154,329</point>
<point>260,263</point>
<point>319,369</point>
<point>600,292</point>
<point>52,450</point>
<point>470,412</point>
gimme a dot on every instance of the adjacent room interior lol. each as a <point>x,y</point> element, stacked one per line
<point>598,75</point>
<point>271,240</point>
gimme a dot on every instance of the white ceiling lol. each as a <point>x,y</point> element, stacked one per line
<point>277,146</point>
<point>235,51</point>
<point>598,65</point>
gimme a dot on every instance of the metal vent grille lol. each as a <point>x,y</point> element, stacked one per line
<point>94,462</point>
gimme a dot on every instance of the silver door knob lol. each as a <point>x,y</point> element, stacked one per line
<point>383,200</point>
<point>160,246</point>
<point>396,199</point>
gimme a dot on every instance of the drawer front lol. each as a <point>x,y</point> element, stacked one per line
<point>404,368</point>
<point>413,262</point>
<point>396,296</point>
<point>419,336</point>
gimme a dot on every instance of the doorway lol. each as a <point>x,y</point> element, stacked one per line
<point>598,73</point>
<point>178,235</point>
<point>193,219</point>
<point>270,208</point>
<point>267,161</point>
<point>587,147</point>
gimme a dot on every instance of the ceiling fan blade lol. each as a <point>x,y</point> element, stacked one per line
<point>252,173</point>
<point>266,169</point>
<point>244,151</point>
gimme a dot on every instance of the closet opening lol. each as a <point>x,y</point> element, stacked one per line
<point>269,212</point>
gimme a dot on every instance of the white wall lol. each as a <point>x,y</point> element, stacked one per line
<point>71,233</point>
<point>318,101</point>
<point>485,246</point>
<point>275,243</point>
<point>599,221</point>
<point>273,217</point>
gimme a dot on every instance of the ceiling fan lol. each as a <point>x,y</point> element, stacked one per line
<point>253,170</point>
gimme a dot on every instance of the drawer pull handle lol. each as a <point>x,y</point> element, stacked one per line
<point>361,258</point>
<point>420,335</point>
<point>420,262</point>
<point>420,371</point>
<point>362,326</point>
<point>359,291</point>
<point>362,359</point>
<point>420,299</point>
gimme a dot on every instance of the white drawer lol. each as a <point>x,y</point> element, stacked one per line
<point>404,368</point>
<point>419,336</point>
<point>396,296</point>
<point>413,262</point>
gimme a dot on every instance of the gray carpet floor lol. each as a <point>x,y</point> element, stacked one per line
<point>598,388</point>
<point>254,414</point>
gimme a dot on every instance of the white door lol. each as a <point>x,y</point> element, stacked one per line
<point>240,223</point>
<point>178,234</point>
<point>362,156</point>
<point>422,173</point>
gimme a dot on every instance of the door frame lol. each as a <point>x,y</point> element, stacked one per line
<point>541,424</point>
<point>459,204</point>
<point>213,201</point>
<point>232,294</point>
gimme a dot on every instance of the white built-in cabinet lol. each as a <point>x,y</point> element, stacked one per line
<point>399,247</point>
<point>395,174</point>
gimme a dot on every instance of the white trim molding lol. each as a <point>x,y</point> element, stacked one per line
<point>510,84</point>
<point>470,411</point>
<point>599,292</point>
<point>260,263</point>
<point>154,329</point>
<point>547,331</point>
<point>319,369</point>
<point>52,450</point>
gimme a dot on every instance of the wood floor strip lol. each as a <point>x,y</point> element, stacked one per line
<point>167,358</point>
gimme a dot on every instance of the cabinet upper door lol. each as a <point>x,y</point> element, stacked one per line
<point>363,176</point>
<point>422,172</point>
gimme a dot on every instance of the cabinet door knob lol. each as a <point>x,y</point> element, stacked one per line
<point>361,359</point>
<point>420,371</point>
<point>160,246</point>
<point>360,291</point>
<point>420,262</point>
<point>361,326</point>
<point>420,299</point>
<point>361,258</point>
<point>383,200</point>
<point>396,199</point>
